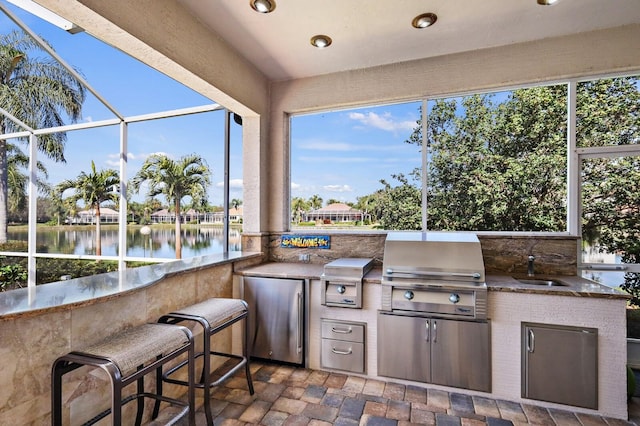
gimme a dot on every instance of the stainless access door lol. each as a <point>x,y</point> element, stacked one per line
<point>560,364</point>
<point>404,347</point>
<point>461,354</point>
<point>276,318</point>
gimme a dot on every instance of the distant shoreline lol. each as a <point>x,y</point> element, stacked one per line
<point>115,226</point>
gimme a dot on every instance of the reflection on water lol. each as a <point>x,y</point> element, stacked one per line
<point>160,243</point>
<point>595,254</point>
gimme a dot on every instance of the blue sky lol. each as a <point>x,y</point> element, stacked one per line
<point>338,155</point>
<point>132,88</point>
<point>343,154</point>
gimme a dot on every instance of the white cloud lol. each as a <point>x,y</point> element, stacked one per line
<point>142,156</point>
<point>384,122</point>
<point>338,188</point>
<point>295,186</point>
<point>233,184</point>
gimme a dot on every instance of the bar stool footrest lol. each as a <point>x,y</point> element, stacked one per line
<point>242,362</point>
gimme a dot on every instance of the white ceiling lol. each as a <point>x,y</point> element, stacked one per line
<point>367,33</point>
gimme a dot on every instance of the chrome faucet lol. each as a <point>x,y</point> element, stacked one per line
<point>531,259</point>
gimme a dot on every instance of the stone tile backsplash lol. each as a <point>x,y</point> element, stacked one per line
<point>503,254</point>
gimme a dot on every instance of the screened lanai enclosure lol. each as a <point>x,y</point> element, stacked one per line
<point>74,189</point>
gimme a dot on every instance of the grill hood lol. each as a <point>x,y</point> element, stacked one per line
<point>441,256</point>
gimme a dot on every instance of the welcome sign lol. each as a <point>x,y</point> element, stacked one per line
<point>306,241</point>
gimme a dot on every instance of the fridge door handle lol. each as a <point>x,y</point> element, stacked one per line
<point>427,330</point>
<point>300,323</point>
<point>531,341</point>
<point>435,331</point>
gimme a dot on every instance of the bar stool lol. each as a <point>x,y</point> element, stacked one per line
<point>127,357</point>
<point>214,315</point>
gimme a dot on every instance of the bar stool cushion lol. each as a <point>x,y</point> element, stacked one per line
<point>215,310</point>
<point>139,345</point>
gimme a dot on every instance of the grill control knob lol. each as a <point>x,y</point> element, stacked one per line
<point>408,295</point>
<point>454,298</point>
<point>341,289</point>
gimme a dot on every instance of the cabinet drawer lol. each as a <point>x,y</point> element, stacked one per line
<point>343,330</point>
<point>341,355</point>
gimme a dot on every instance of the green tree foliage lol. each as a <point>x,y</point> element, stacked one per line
<point>189,176</point>
<point>367,204</point>
<point>498,162</point>
<point>395,207</point>
<point>609,115</point>
<point>298,207</point>
<point>235,203</point>
<point>12,275</point>
<point>39,92</point>
<point>315,201</point>
<point>18,180</point>
<point>498,166</point>
<point>93,188</point>
<point>13,270</point>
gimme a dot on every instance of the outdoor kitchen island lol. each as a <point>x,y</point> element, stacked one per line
<point>578,303</point>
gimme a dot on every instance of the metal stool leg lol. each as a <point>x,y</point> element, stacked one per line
<point>247,353</point>
<point>140,398</point>
<point>202,314</point>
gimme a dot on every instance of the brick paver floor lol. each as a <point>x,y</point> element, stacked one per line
<point>286,395</point>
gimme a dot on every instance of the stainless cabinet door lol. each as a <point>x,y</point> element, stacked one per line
<point>276,318</point>
<point>403,347</point>
<point>560,364</point>
<point>461,354</point>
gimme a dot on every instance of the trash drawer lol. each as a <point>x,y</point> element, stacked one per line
<point>342,355</point>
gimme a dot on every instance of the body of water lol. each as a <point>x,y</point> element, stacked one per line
<point>160,243</point>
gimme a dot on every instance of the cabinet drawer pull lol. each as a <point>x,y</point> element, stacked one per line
<point>339,352</point>
<point>341,330</point>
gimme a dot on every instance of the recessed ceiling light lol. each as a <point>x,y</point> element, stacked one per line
<point>321,41</point>
<point>547,2</point>
<point>263,6</point>
<point>425,20</point>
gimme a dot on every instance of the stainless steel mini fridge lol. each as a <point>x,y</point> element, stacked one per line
<point>277,318</point>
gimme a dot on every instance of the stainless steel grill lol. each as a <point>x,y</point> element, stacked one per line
<point>436,273</point>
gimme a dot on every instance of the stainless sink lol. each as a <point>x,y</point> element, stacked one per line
<point>540,281</point>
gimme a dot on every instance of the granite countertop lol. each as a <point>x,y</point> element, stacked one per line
<point>573,285</point>
<point>87,290</point>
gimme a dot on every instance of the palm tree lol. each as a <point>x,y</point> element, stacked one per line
<point>189,176</point>
<point>298,206</point>
<point>39,92</point>
<point>315,201</point>
<point>235,203</point>
<point>93,188</point>
<point>18,180</point>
